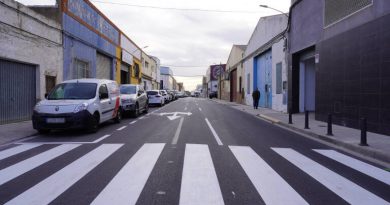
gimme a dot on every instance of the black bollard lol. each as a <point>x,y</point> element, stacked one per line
<point>330,133</point>
<point>290,117</point>
<point>363,133</point>
<point>307,119</point>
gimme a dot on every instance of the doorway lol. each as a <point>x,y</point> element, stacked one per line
<point>307,85</point>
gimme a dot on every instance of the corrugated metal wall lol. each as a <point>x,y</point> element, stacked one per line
<point>17,91</point>
<point>103,66</point>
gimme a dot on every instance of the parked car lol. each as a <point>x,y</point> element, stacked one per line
<point>134,99</point>
<point>155,97</point>
<point>213,94</point>
<point>171,95</point>
<point>180,94</point>
<point>165,95</point>
<point>81,103</point>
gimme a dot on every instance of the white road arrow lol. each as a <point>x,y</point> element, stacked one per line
<point>174,115</point>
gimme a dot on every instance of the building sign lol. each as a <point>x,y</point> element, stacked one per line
<point>91,17</point>
<point>216,71</point>
<point>127,57</point>
<point>130,47</point>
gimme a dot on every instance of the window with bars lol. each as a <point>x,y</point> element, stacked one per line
<point>336,10</point>
<point>81,69</point>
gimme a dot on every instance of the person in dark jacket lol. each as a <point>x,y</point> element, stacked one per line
<point>256,98</point>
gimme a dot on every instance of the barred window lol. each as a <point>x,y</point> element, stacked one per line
<point>336,10</point>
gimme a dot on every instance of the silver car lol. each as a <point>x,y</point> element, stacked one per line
<point>134,99</point>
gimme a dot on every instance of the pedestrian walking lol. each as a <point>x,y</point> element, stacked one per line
<point>256,98</point>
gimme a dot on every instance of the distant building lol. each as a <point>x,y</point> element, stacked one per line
<point>265,64</point>
<point>156,79</point>
<point>214,72</point>
<point>148,71</point>
<point>180,87</point>
<point>166,78</point>
<point>235,71</point>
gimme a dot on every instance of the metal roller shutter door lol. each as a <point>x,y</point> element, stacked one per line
<point>103,66</point>
<point>17,91</point>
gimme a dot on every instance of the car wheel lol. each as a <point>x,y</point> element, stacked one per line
<point>43,131</point>
<point>118,117</point>
<point>136,111</point>
<point>146,107</point>
<point>93,124</point>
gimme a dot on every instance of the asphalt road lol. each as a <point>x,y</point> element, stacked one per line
<point>207,153</point>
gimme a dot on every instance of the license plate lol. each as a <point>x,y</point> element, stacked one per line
<point>55,120</point>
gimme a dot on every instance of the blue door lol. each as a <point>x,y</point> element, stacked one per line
<point>263,78</point>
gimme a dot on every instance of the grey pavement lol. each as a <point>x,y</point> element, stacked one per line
<point>16,131</point>
<point>349,138</point>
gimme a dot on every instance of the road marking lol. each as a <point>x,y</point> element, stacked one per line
<point>199,184</point>
<point>127,185</point>
<point>174,115</point>
<point>214,133</point>
<point>272,188</point>
<point>141,118</point>
<point>200,109</point>
<point>100,139</point>
<point>360,166</point>
<point>16,150</point>
<point>176,137</point>
<point>50,188</point>
<point>24,166</point>
<point>349,191</point>
<point>93,142</point>
<point>121,128</point>
<point>133,122</point>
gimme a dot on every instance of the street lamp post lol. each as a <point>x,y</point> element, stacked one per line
<point>268,7</point>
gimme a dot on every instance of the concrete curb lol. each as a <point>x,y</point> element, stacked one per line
<point>365,151</point>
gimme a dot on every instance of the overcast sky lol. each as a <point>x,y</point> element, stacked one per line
<point>187,41</point>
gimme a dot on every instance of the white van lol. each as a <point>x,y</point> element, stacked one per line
<point>81,103</point>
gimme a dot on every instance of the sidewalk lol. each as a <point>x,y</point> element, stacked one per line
<point>15,131</point>
<point>349,138</point>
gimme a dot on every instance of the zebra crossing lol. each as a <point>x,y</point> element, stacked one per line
<point>199,181</point>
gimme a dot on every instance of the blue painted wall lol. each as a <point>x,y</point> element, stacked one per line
<point>83,44</point>
<point>76,49</point>
<point>74,28</point>
<point>91,17</point>
<point>262,76</point>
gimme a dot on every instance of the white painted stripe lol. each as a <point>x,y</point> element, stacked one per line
<point>349,191</point>
<point>133,122</point>
<point>268,183</point>
<point>127,185</point>
<point>121,128</point>
<point>360,166</point>
<point>100,139</point>
<point>141,118</point>
<point>214,133</point>
<point>176,137</point>
<point>200,109</point>
<point>50,188</point>
<point>24,166</point>
<point>199,184</point>
<point>16,150</point>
